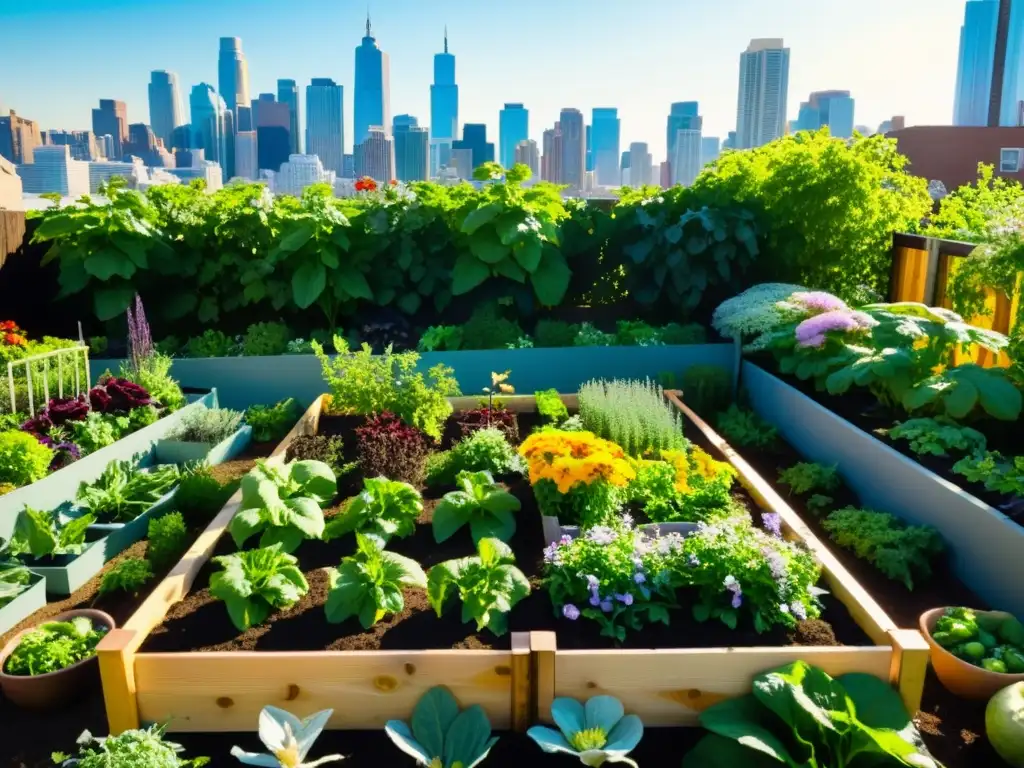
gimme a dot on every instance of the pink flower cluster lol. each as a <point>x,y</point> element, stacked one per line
<point>817,302</point>
<point>811,332</point>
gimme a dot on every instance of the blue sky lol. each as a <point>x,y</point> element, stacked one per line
<point>896,56</point>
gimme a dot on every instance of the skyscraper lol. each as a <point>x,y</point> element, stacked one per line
<point>233,73</point>
<point>299,172</point>
<point>247,161</point>
<point>372,88</point>
<point>605,145</point>
<point>528,154</point>
<point>444,108</point>
<point>53,170</point>
<point>325,126</point>
<point>82,144</point>
<point>975,64</point>
<point>164,105</point>
<point>763,92</point>
<point>710,148</point>
<point>641,164</point>
<point>273,128</point>
<point>210,126</point>
<point>686,160</point>
<point>551,160</point>
<point>514,127</point>
<point>832,108</point>
<point>112,118</point>
<point>412,149</point>
<point>375,157</point>
<point>574,147</point>
<point>288,93</point>
<point>19,136</point>
<point>1011,105</point>
<point>590,149</point>
<point>474,137</point>
<point>682,115</point>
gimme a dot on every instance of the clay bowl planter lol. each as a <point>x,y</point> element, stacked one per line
<point>53,689</point>
<point>960,678</point>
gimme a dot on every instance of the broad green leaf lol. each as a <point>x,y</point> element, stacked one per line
<point>467,274</point>
<point>551,278</point>
<point>507,226</point>
<point>112,302</point>
<point>60,224</point>
<point>467,737</point>
<point>353,282</point>
<point>73,276</point>
<point>314,479</point>
<point>499,525</point>
<point>486,246</point>
<point>308,283</point>
<point>297,238</point>
<point>451,514</point>
<point>107,263</point>
<point>433,717</point>
<point>876,702</point>
<point>508,267</point>
<point>528,254</point>
<point>745,721</point>
<point>716,751</point>
<point>494,552</point>
<point>409,302</point>
<point>403,571</point>
<point>480,216</point>
<point>305,515</point>
<point>244,524</point>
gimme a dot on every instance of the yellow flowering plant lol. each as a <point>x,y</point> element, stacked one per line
<point>684,486</point>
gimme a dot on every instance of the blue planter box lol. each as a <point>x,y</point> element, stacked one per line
<point>25,604</point>
<point>59,487</point>
<point>985,546</point>
<point>182,452</point>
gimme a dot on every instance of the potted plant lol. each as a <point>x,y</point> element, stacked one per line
<point>49,665</point>
<point>125,492</point>
<point>212,434</point>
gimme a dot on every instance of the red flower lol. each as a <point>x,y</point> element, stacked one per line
<point>393,182</point>
<point>9,326</point>
<point>366,184</point>
<point>15,340</point>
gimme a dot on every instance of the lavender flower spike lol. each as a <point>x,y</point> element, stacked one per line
<point>772,523</point>
<point>140,341</point>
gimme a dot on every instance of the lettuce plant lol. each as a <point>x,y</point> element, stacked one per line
<point>488,585</point>
<point>481,503</point>
<point>550,406</point>
<point>14,577</point>
<point>938,437</point>
<point>798,715</point>
<point>144,748</point>
<point>272,422</point>
<point>284,503</point>
<point>384,509</point>
<point>39,534</point>
<point>596,733</point>
<point>287,739</point>
<point>440,736</point>
<point>23,459</point>
<point>369,583</point>
<point>485,449</point>
<point>391,448</point>
<point>124,490</point>
<point>53,646</point>
<point>256,582</point>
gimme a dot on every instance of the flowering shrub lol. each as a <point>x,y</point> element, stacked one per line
<point>575,475</point>
<point>390,448</point>
<point>735,566</point>
<point>683,487</point>
<point>754,311</point>
<point>11,335</point>
<point>366,184</point>
<point>812,331</point>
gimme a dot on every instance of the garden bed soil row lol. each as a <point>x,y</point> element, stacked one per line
<point>953,728</point>
<point>39,734</point>
<point>199,622</point>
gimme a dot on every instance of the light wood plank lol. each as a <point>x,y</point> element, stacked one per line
<point>910,665</point>
<point>866,612</point>
<point>218,692</point>
<point>116,654</point>
<point>522,683</point>
<point>672,687</point>
<point>544,646</point>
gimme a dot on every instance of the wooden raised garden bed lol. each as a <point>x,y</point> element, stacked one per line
<point>218,690</point>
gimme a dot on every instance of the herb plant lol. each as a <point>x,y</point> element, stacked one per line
<point>168,539</point>
<point>53,646</point>
<point>596,733</point>
<point>589,336</point>
<point>676,334</point>
<point>486,450</point>
<point>494,416</point>
<point>369,583</point>
<point>43,534</point>
<point>488,585</point>
<point>14,577</point>
<point>125,490</point>
<point>745,429</point>
<point>805,477</point>
<point>129,576</point>
<point>388,447</point>
<point>256,582</point>
<point>902,552</point>
<point>288,740</point>
<point>938,437</point>
<point>207,425</point>
<point>326,448</point>
<point>200,495</point>
<point>384,509</point>
<point>23,459</point>
<point>283,503</point>
<point>485,506</point>
<point>798,715</point>
<point>487,329</point>
<point>633,414</point>
<point>440,736</point>
<point>211,343</point>
<point>707,389</point>
<point>818,504</point>
<point>98,430</point>
<point>144,748</point>
<point>999,474</point>
<point>550,406</point>
<point>265,339</point>
<point>441,338</point>
<point>272,422</point>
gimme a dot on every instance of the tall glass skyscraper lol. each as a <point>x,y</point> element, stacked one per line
<point>974,68</point>
<point>164,105</point>
<point>474,138</point>
<point>325,132</point>
<point>832,108</point>
<point>1012,106</point>
<point>763,93</point>
<point>514,127</point>
<point>233,73</point>
<point>210,126</point>
<point>288,93</point>
<point>112,118</point>
<point>574,147</point>
<point>604,145</point>
<point>683,115</point>
<point>444,108</point>
<point>412,149</point>
<point>273,129</point>
<point>372,88</point>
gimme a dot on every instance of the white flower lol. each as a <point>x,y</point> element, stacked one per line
<point>754,311</point>
<point>287,739</point>
<point>729,581</point>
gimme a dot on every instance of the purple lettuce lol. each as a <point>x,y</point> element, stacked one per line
<point>63,410</point>
<point>118,396</point>
<point>64,453</point>
<point>811,332</point>
<point>39,426</point>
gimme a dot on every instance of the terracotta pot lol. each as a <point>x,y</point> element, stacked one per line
<point>965,680</point>
<point>53,689</point>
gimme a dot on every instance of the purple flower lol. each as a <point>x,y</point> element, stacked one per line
<point>65,453</point>
<point>733,586</point>
<point>551,555</point>
<point>818,301</point>
<point>570,611</point>
<point>737,599</point>
<point>626,599</point>
<point>606,606</point>
<point>811,332</point>
<point>776,564</point>
<point>772,523</point>
<point>798,610</point>
<point>140,341</point>
<point>595,599</point>
<point>639,578</point>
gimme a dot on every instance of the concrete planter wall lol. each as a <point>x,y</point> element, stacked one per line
<point>25,604</point>
<point>986,548</point>
<point>182,452</point>
<point>244,381</point>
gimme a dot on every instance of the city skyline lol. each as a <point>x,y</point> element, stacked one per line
<point>503,70</point>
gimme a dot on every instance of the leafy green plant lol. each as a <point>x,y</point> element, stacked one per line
<point>23,459</point>
<point>596,733</point>
<point>125,490</point>
<point>636,333</point>
<point>98,345</point>
<point>369,583</point>
<point>707,389</point>
<point>805,477</point>
<point>485,450</point>
<point>488,585</point>
<point>14,576</point>
<point>144,748</point>
<point>200,495</point>
<point>265,340</point>
<point>129,576</point>
<point>555,333</point>
<point>256,582</point>
<point>550,406</point>
<point>42,534</point>
<point>98,430</point>
<point>744,428</point>
<point>168,539</point>
<point>938,437</point>
<point>385,508</point>
<point>901,552</point>
<point>363,383</point>
<point>676,334</point>
<point>999,474</point>
<point>485,506</point>
<point>284,503</point>
<point>818,504</point>
<point>207,425</point>
<point>272,422</point>
<point>798,715</point>
<point>54,645</point>
<point>633,414</point>
<point>154,375</point>
<point>326,448</point>
<point>212,343</point>
<point>589,336</point>
<point>441,338</point>
<point>487,328</point>
<point>440,736</point>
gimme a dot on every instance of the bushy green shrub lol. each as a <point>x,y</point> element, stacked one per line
<point>23,459</point>
<point>200,495</point>
<point>212,343</point>
<point>265,339</point>
<point>555,333</point>
<point>636,333</point>
<point>488,329</point>
<point>168,539</point>
<point>129,576</point>
<point>550,406</point>
<point>589,336</point>
<point>805,477</point>
<point>633,414</point>
<point>691,333</point>
<point>744,428</point>
<point>207,425</point>
<point>155,377</point>
<point>272,422</point>
<point>485,450</point>
<point>441,338</point>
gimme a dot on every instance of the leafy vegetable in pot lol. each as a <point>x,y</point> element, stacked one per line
<point>284,503</point>
<point>125,490</point>
<point>53,646</point>
<point>485,506</point>
<point>799,716</point>
<point>995,643</point>
<point>255,583</point>
<point>440,736</point>
<point>39,534</point>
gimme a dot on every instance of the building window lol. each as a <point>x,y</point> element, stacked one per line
<point>1010,160</point>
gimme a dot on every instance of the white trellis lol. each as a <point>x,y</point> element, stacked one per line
<point>61,355</point>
